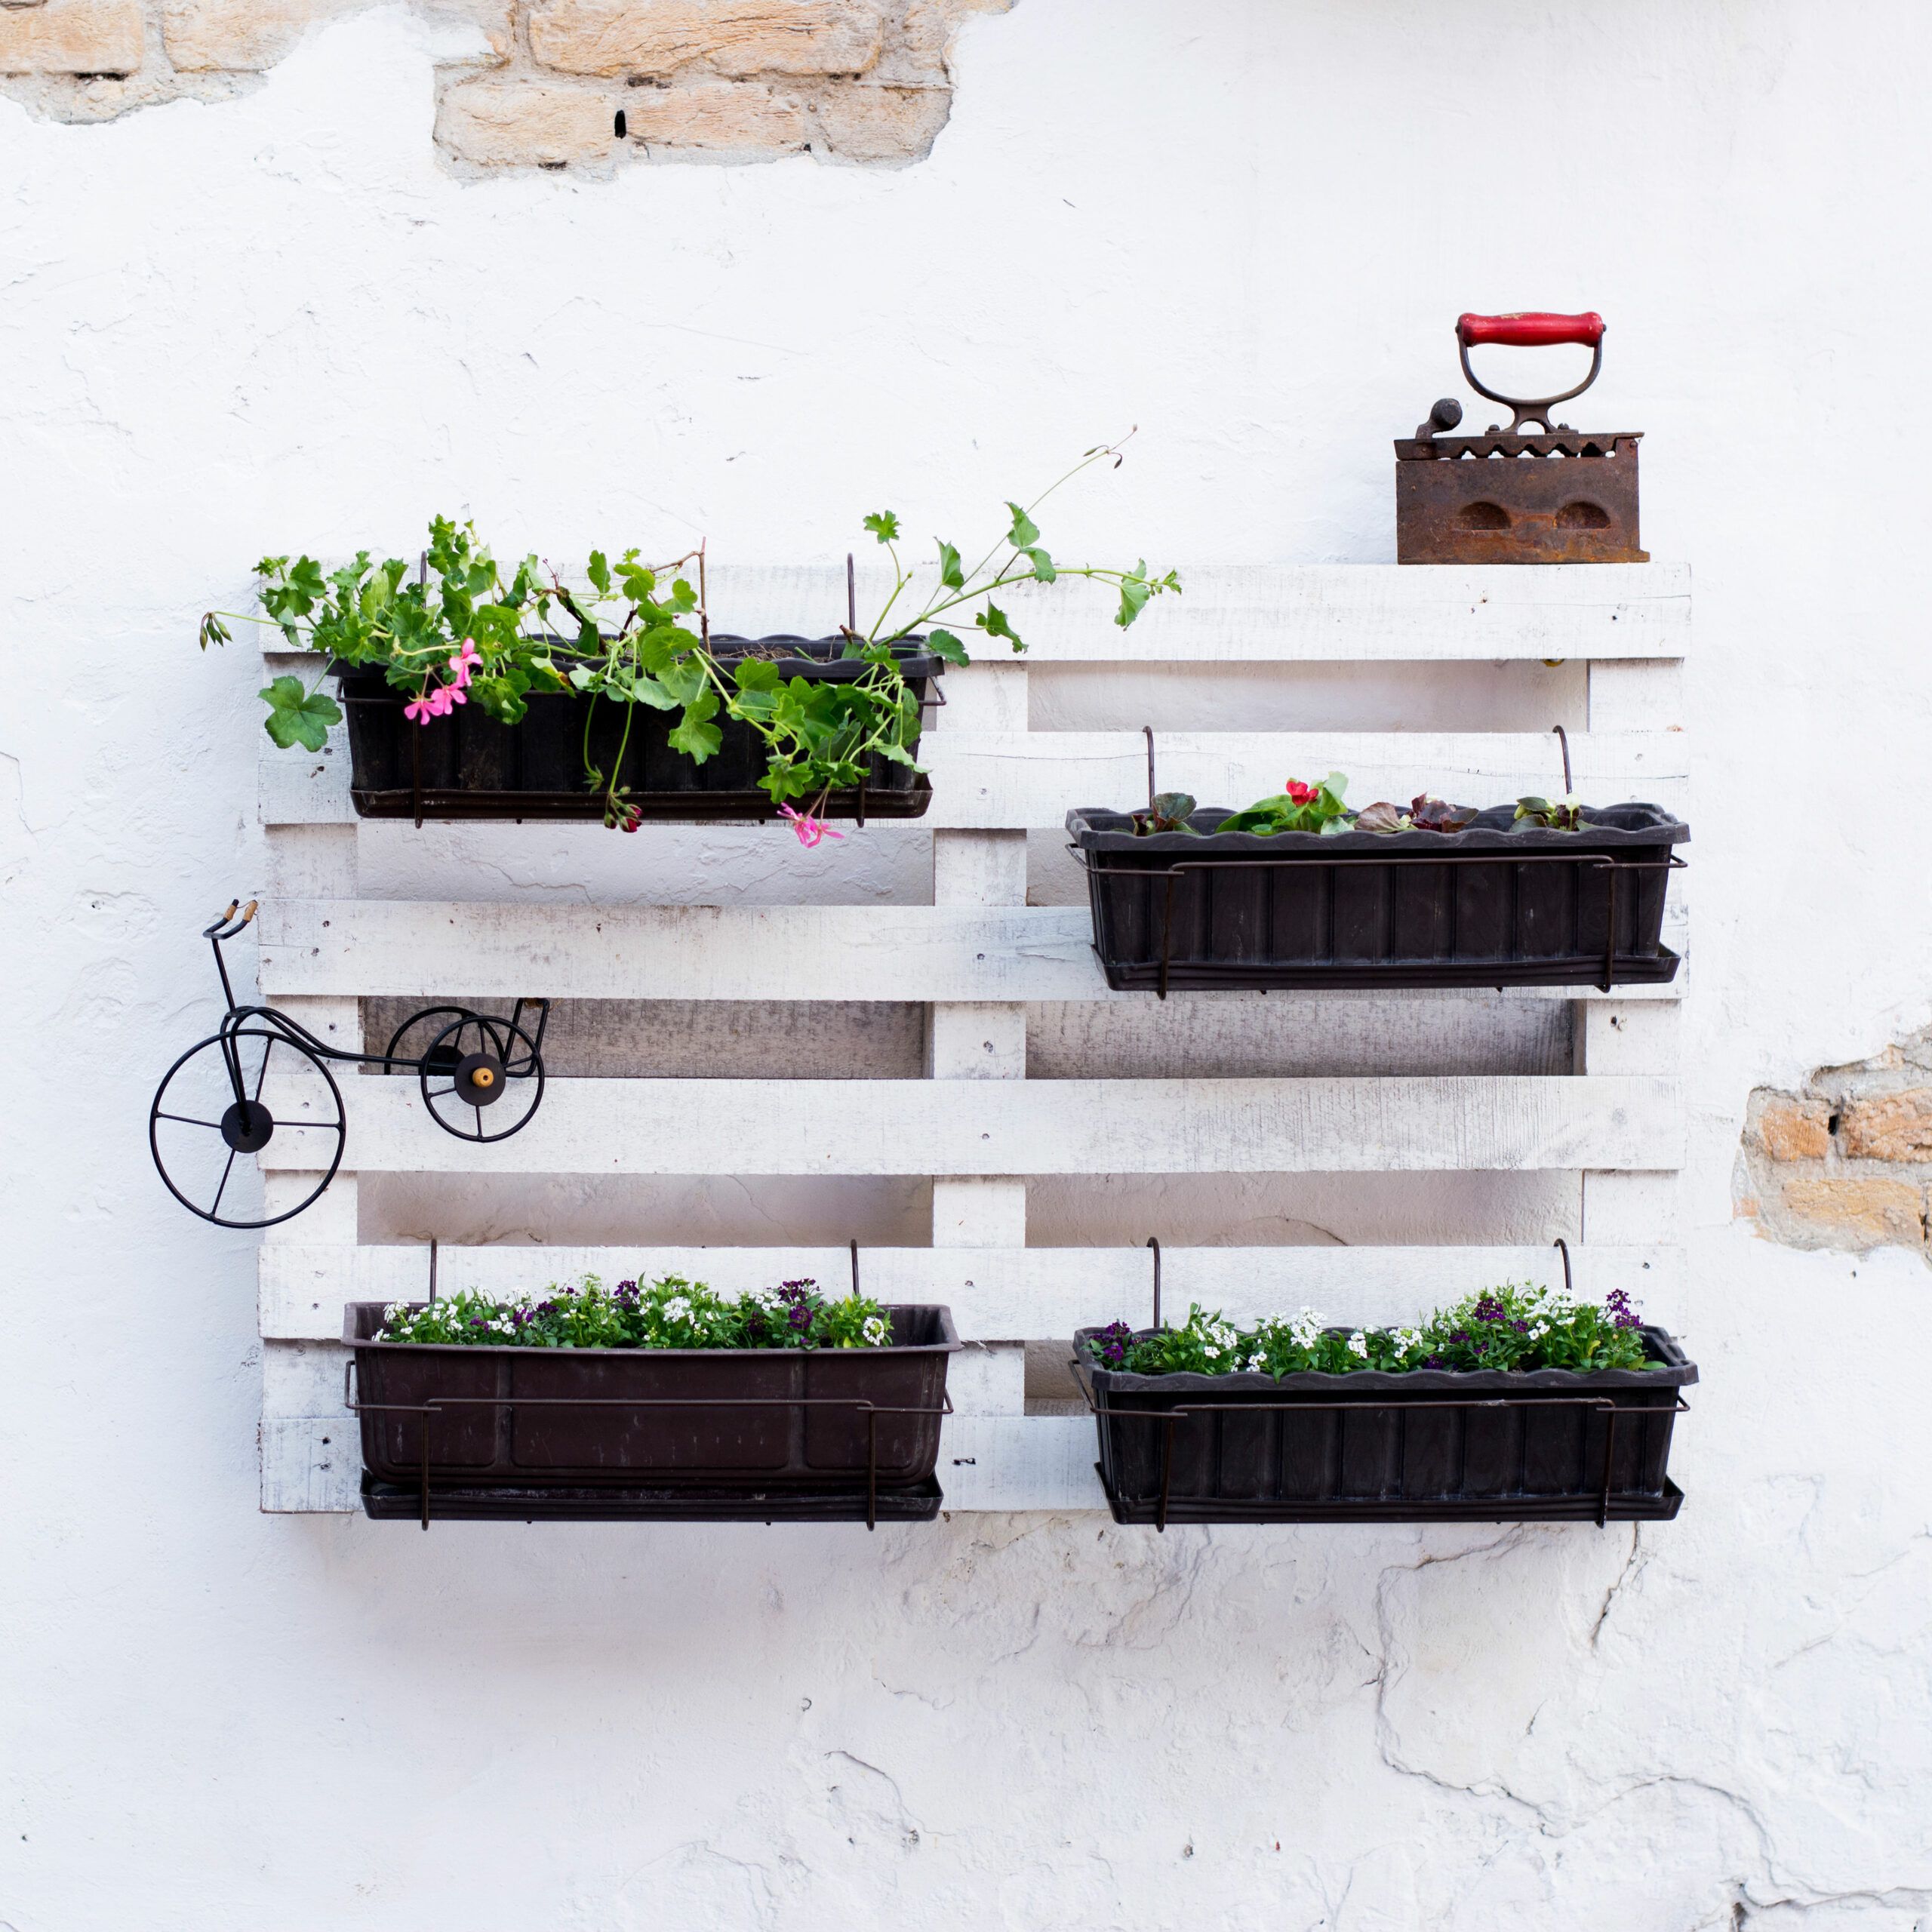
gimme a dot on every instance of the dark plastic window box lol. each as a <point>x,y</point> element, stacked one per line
<point>1429,1445</point>
<point>468,766</point>
<point>714,1434</point>
<point>1495,905</point>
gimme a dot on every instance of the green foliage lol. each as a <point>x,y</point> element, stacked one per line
<point>1510,1327</point>
<point>297,716</point>
<point>468,627</point>
<point>1317,807</point>
<point>1563,815</point>
<point>669,1313</point>
<point>1169,811</point>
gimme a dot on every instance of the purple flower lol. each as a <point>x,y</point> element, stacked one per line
<point>1433,1361</point>
<point>1488,1308</point>
<point>1622,1314</point>
<point>1521,1327</point>
<point>801,1317</point>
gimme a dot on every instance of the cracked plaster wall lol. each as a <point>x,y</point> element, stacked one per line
<point>277,320</point>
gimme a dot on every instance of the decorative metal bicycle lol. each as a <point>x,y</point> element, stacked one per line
<point>208,1112</point>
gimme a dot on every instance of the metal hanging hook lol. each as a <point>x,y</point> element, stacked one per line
<point>1149,731</point>
<point>1563,739</point>
<point>1563,1248</point>
<point>851,598</point>
<point>855,1270</point>
<point>1153,1241</point>
<point>432,1267</point>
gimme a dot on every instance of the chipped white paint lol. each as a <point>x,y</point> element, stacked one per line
<point>1246,224</point>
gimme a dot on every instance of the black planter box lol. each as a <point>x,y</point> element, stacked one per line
<point>1494,905</point>
<point>1429,1445</point>
<point>706,1434</point>
<point>468,766</point>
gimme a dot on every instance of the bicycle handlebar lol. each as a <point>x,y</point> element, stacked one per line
<point>227,926</point>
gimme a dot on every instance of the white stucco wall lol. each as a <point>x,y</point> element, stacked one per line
<point>1246,226</point>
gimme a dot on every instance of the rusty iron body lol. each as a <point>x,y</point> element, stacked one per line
<point>1558,496</point>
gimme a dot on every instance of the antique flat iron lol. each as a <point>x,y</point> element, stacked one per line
<point>1559,496</point>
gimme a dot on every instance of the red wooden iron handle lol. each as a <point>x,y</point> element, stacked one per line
<point>1533,329</point>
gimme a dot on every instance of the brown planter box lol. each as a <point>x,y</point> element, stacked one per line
<point>1426,1445</point>
<point>729,1433</point>
<point>1494,905</point>
<point>468,766</point>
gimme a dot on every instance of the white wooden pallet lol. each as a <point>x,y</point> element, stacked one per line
<point>977,956</point>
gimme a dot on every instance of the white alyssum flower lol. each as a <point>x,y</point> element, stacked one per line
<point>876,1330</point>
<point>1359,1344</point>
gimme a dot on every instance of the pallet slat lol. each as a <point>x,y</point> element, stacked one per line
<point>995,1294</point>
<point>1018,1126</point>
<point>1028,780</point>
<point>374,948</point>
<point>1280,613</point>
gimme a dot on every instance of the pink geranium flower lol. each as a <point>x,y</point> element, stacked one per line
<point>464,663</point>
<point>810,830</point>
<point>421,709</point>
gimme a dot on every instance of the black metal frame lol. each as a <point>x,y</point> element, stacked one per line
<point>633,1501</point>
<point>1394,1510</point>
<point>246,1125</point>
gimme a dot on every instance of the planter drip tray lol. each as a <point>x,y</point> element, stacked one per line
<point>502,1502</point>
<point>1519,1509</point>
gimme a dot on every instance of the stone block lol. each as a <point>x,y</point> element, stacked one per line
<point>1857,1212</point>
<point>233,36</point>
<point>72,37</point>
<point>501,124</point>
<point>1795,1130</point>
<point>888,124</point>
<point>734,38</point>
<point>1890,1126</point>
<point>740,117</point>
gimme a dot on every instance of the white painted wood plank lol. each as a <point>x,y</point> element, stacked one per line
<point>1006,1293</point>
<point>1020,1126</point>
<point>1628,1037</point>
<point>988,1379</point>
<point>999,1463</point>
<point>317,861</point>
<point>310,1465</point>
<point>991,780</point>
<point>1636,696</point>
<point>1247,612</point>
<point>969,954</point>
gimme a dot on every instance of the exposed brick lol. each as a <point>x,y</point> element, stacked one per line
<point>926,33</point>
<point>233,36</point>
<point>1795,1130</point>
<point>523,123</point>
<point>735,38</point>
<point>1890,1126</point>
<point>1857,1213</point>
<point>72,37</point>
<point>724,117</point>
<point>491,19</point>
<point>867,123</point>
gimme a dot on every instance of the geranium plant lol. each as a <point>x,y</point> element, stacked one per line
<point>470,628</point>
<point>1509,1327</point>
<point>669,1313</point>
<point>1319,808</point>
